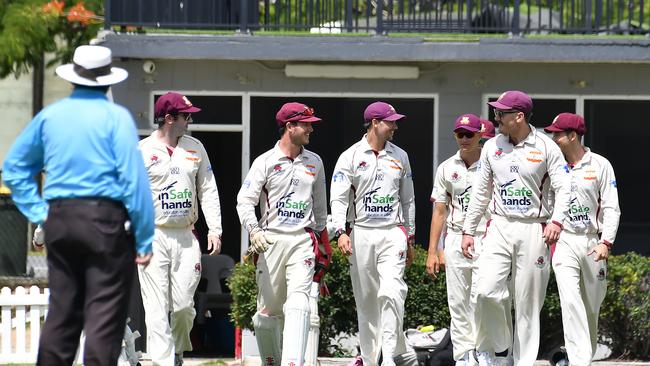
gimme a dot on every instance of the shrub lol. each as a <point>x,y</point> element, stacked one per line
<point>624,317</point>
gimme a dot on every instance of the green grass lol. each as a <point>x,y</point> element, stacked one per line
<point>427,37</point>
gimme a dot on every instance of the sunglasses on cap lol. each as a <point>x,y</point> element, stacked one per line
<point>308,112</point>
<point>499,113</point>
<point>461,134</point>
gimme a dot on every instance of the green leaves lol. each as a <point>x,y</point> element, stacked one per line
<point>28,31</point>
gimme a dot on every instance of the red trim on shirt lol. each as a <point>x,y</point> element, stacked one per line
<point>541,190</point>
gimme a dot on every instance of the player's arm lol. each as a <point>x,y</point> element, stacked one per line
<point>560,183</point>
<point>438,216</point>
<point>610,207</point>
<point>481,194</point>
<point>22,163</point>
<point>340,200</point>
<point>320,198</point>
<point>249,195</point>
<point>137,194</point>
<point>208,194</point>
<point>340,191</point>
<point>407,198</point>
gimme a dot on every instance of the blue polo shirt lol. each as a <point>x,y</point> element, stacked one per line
<point>88,147</point>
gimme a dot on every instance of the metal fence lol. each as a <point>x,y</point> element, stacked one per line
<point>386,16</point>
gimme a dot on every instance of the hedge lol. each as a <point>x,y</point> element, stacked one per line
<point>624,318</point>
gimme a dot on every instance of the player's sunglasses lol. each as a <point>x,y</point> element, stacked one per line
<point>499,113</point>
<point>469,135</point>
<point>308,112</point>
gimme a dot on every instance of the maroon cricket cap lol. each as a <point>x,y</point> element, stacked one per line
<point>567,122</point>
<point>173,103</point>
<point>487,129</point>
<point>468,122</point>
<point>513,100</point>
<point>295,112</point>
<point>381,111</point>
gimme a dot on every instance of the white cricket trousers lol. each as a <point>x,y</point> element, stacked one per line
<point>377,273</point>
<point>285,273</point>
<point>515,248</point>
<point>582,284</point>
<point>167,286</point>
<point>460,274</point>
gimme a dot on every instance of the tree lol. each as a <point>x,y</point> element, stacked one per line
<point>31,28</point>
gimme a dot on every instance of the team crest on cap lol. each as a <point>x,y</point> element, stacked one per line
<point>187,101</point>
<point>482,127</point>
<point>555,119</point>
<point>502,95</point>
<point>464,120</point>
<point>392,109</point>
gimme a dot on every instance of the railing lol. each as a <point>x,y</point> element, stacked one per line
<point>386,16</point>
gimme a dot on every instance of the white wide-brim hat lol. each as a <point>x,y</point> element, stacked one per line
<point>92,62</point>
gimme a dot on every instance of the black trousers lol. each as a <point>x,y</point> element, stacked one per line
<point>91,263</point>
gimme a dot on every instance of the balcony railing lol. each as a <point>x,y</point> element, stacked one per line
<point>387,16</point>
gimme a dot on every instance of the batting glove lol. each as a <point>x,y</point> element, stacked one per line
<point>260,242</point>
<point>38,240</point>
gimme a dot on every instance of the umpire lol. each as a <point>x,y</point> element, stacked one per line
<point>96,209</point>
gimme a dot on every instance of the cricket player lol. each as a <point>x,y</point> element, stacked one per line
<point>522,165</point>
<point>179,173</point>
<point>288,182</point>
<point>580,258</point>
<point>373,182</point>
<point>450,196</point>
<point>487,131</point>
<point>96,209</point>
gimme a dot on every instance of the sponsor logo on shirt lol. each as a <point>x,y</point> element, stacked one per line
<point>175,170</point>
<point>515,199</point>
<point>310,170</point>
<point>534,156</point>
<point>463,198</point>
<point>578,212</point>
<point>194,155</point>
<point>290,211</point>
<point>173,199</point>
<point>376,205</point>
<point>613,183</point>
<point>338,177</point>
<point>395,164</point>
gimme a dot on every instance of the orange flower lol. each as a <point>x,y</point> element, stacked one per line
<point>80,14</point>
<point>54,7</point>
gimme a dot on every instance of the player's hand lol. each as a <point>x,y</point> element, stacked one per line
<point>38,239</point>
<point>433,265</point>
<point>410,255</point>
<point>467,245</point>
<point>143,259</point>
<point>260,241</point>
<point>551,233</point>
<point>345,245</point>
<point>214,244</point>
<point>601,252</point>
<point>441,259</point>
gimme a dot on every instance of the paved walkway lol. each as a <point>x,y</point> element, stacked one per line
<point>345,361</point>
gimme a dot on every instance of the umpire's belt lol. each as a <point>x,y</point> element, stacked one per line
<point>86,201</point>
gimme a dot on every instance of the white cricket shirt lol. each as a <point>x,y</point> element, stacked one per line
<point>291,193</point>
<point>376,187</point>
<point>178,180</point>
<point>523,176</point>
